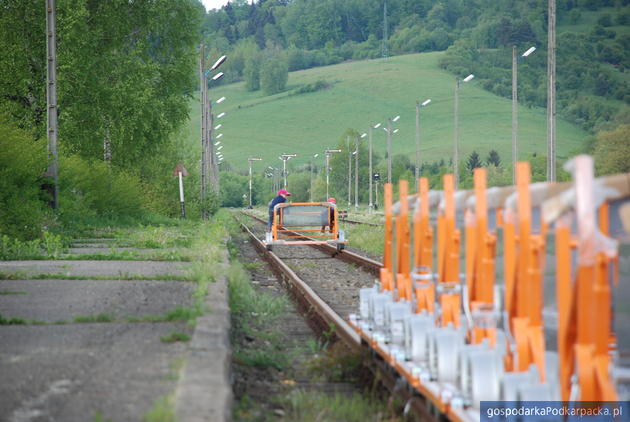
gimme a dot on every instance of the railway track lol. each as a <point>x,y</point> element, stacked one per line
<point>325,284</point>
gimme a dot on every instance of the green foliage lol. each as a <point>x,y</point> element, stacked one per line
<point>274,71</point>
<point>131,62</point>
<point>100,318</point>
<point>51,246</point>
<point>306,406</point>
<point>95,189</point>
<point>163,410</point>
<point>473,161</point>
<point>233,187</point>
<point>493,158</point>
<point>251,71</point>
<point>612,151</point>
<point>22,163</point>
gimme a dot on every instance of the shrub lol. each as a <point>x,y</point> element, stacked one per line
<point>22,164</point>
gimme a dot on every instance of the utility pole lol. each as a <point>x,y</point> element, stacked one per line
<point>356,175</point>
<point>328,153</point>
<point>456,130</point>
<point>418,106</point>
<point>209,167</point>
<point>551,92</point>
<point>349,171</point>
<point>285,158</point>
<point>51,99</point>
<point>456,146</point>
<point>389,150</point>
<point>203,87</point>
<point>385,31</point>
<point>311,189</point>
<point>514,115</point>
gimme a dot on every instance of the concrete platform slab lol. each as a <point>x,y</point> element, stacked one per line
<point>55,300</point>
<point>114,269</point>
<point>74,372</point>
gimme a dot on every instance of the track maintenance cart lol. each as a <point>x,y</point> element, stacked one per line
<point>305,223</point>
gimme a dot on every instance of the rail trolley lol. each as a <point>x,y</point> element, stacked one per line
<point>305,223</point>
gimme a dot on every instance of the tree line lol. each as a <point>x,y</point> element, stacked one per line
<point>477,34</point>
<point>126,71</point>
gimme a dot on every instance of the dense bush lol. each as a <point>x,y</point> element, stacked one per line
<point>95,187</point>
<point>22,164</point>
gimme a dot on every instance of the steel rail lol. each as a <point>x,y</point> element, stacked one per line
<point>306,295</point>
<point>363,262</point>
<point>323,318</point>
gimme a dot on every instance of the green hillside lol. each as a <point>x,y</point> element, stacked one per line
<point>367,92</point>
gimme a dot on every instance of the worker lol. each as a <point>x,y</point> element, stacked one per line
<point>331,215</point>
<point>279,199</point>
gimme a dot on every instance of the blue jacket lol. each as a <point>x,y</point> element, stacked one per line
<point>277,200</point>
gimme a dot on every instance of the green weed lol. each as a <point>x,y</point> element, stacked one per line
<point>174,337</point>
<point>10,292</point>
<point>307,406</point>
<point>94,318</point>
<point>163,410</point>
<point>12,321</point>
<point>49,247</point>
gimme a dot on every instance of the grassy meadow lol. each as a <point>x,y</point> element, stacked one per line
<point>368,92</point>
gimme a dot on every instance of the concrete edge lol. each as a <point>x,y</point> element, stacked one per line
<point>204,389</point>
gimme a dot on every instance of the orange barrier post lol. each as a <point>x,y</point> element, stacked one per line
<point>403,277</point>
<point>483,246</point>
<point>387,272</point>
<point>585,310</point>
<point>448,244</point>
<point>526,300</point>
<point>423,250</point>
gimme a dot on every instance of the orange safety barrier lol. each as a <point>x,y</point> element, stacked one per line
<point>387,272</point>
<point>448,258</point>
<point>423,250</point>
<point>524,284</point>
<point>584,310</point>
<point>480,256</point>
<point>403,277</point>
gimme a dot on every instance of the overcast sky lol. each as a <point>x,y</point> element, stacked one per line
<point>216,4</point>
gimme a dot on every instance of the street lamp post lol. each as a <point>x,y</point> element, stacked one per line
<point>311,190</point>
<point>376,126</point>
<point>389,131</point>
<point>356,171</point>
<point>349,171</point>
<point>515,108</point>
<point>418,106</point>
<point>206,126</point>
<point>285,158</point>
<point>249,160</point>
<point>456,113</point>
<point>328,153</point>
